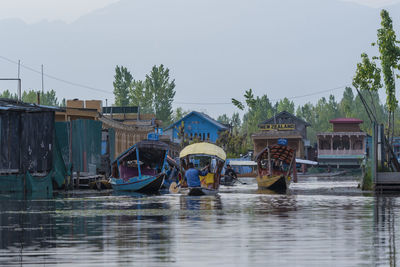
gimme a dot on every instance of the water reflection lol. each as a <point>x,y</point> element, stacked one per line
<point>246,227</point>
<point>385,211</point>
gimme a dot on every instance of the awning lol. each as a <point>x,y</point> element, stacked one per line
<point>203,149</point>
<point>308,162</point>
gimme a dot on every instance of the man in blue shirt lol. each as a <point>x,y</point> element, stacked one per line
<point>192,175</point>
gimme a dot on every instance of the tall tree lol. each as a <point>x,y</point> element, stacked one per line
<point>163,91</point>
<point>347,102</point>
<point>389,55</point>
<point>368,79</point>
<point>122,83</point>
<point>285,105</point>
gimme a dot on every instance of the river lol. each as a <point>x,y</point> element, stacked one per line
<point>319,222</point>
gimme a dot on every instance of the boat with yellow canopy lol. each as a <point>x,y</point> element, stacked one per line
<point>202,155</point>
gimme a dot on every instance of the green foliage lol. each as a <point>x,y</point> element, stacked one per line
<point>48,98</point>
<point>232,143</point>
<point>163,91</point>
<point>8,94</point>
<point>223,119</point>
<point>238,104</point>
<point>178,114</point>
<point>153,95</point>
<point>285,105</point>
<point>122,84</point>
<point>389,54</point>
<point>368,75</point>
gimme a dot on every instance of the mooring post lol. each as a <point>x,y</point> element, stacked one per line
<point>77,179</point>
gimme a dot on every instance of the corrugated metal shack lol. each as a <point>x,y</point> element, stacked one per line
<point>27,158</point>
<point>80,144</point>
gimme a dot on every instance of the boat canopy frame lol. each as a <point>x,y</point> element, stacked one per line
<point>144,150</point>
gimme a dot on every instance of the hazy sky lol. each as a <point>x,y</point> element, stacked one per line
<point>215,49</point>
<point>35,10</point>
<point>69,10</point>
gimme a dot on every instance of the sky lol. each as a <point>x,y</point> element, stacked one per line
<point>214,49</point>
<point>70,10</point>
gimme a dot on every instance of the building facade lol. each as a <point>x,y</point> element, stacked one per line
<point>345,146</point>
<point>283,125</point>
<point>196,125</point>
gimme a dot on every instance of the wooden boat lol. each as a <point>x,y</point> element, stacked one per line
<point>141,168</point>
<point>202,154</point>
<point>274,167</point>
<point>227,180</point>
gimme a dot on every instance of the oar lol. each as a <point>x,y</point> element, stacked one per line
<point>239,180</point>
<point>174,188</point>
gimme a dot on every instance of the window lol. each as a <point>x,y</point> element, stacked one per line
<point>208,136</point>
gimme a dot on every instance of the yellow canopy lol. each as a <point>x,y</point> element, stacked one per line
<point>203,149</point>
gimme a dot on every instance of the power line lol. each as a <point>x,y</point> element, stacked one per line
<point>56,78</point>
<point>273,100</point>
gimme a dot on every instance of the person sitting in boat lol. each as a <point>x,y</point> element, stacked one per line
<point>230,172</point>
<point>192,175</point>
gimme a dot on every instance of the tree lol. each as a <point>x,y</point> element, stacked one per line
<point>259,109</point>
<point>122,84</point>
<point>224,119</point>
<point>389,55</point>
<point>178,114</point>
<point>285,105</point>
<point>368,79</point>
<point>8,94</point>
<point>347,102</point>
<point>163,90</point>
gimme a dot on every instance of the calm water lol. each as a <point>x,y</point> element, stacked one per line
<point>320,222</point>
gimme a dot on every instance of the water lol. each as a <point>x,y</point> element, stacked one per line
<point>320,222</point>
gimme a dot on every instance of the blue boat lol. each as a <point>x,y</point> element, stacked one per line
<point>141,168</point>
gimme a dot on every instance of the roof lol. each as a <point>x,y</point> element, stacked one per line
<point>14,105</point>
<point>203,149</point>
<point>284,113</point>
<point>145,144</point>
<point>346,120</point>
<point>279,152</point>
<point>203,116</point>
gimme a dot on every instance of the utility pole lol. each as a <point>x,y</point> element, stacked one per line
<point>42,81</point>
<point>19,81</point>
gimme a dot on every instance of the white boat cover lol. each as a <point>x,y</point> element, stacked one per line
<point>242,163</point>
<point>308,162</point>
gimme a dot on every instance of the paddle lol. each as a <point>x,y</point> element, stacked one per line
<point>174,188</point>
<point>239,180</point>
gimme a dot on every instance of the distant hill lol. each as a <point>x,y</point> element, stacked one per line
<point>214,49</point>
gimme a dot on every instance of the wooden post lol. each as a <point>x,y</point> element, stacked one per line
<point>294,169</point>
<point>374,147</point>
<point>77,179</point>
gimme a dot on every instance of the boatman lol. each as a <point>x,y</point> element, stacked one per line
<point>230,172</point>
<point>192,175</point>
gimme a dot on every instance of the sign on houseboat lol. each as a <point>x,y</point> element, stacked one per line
<point>279,127</point>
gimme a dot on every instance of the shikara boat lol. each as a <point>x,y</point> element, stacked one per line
<point>141,168</point>
<point>201,154</point>
<point>274,167</point>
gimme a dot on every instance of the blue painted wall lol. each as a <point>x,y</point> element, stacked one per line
<point>197,125</point>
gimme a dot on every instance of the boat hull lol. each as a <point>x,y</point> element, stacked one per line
<point>275,183</point>
<point>144,184</point>
<point>201,191</point>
